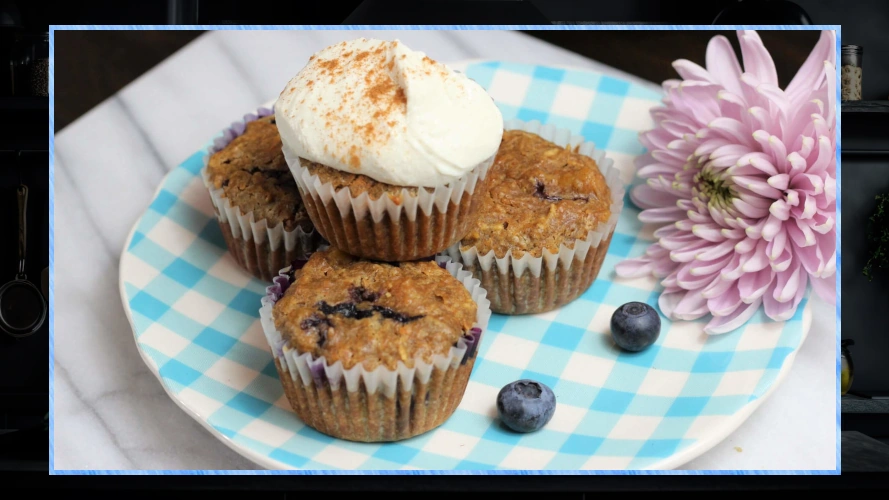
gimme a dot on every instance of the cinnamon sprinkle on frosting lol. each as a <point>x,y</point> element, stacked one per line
<point>353,98</point>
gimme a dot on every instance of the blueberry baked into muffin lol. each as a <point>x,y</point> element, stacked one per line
<point>389,148</point>
<point>374,351</point>
<point>546,221</point>
<point>258,206</point>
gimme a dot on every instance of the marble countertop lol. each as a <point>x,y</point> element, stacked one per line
<point>111,412</point>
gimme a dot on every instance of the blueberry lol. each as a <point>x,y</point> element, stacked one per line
<point>635,326</point>
<point>526,405</point>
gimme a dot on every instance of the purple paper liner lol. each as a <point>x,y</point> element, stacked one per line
<point>237,128</point>
<point>471,341</point>
<point>281,282</point>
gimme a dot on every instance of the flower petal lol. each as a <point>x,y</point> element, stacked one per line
<point>689,252</point>
<point>780,210</point>
<point>772,227</point>
<point>810,75</point>
<point>707,268</point>
<point>691,71</point>
<point>746,208</point>
<point>715,252</point>
<point>807,144</point>
<point>724,324</point>
<point>786,284</point>
<point>656,169</point>
<point>668,300</point>
<point>732,129</point>
<point>643,196</point>
<point>686,279</point>
<point>830,78</point>
<point>691,307</point>
<point>779,181</point>
<point>723,64</point>
<point>717,287</point>
<point>783,262</point>
<point>783,311</point>
<point>711,145</point>
<point>678,241</point>
<point>726,303</point>
<point>758,259</point>
<point>661,215</point>
<point>757,59</point>
<point>826,155</point>
<point>756,185</point>
<point>776,245</point>
<point>826,288</point>
<point>633,268</point>
<point>752,286</point>
<point>710,232</point>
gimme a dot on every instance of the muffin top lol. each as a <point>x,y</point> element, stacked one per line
<point>372,313</point>
<point>379,109</point>
<point>540,195</point>
<point>252,173</point>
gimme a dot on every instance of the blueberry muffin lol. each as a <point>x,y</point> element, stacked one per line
<point>258,206</point>
<point>546,219</point>
<point>374,351</point>
<point>389,148</point>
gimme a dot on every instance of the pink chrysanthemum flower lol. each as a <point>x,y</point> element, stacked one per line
<point>741,180</point>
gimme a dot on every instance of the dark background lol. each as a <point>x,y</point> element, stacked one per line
<point>108,61</point>
<point>23,128</point>
<point>93,65</point>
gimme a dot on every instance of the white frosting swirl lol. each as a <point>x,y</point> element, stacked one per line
<point>379,109</point>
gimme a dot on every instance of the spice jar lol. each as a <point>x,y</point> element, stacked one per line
<point>31,65</point>
<point>851,56</point>
<point>847,369</point>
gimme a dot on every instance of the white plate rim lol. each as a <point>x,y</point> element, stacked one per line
<point>672,462</point>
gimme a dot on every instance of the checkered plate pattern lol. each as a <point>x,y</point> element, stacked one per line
<point>195,318</point>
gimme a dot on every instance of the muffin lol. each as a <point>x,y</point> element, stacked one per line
<point>373,351</point>
<point>258,206</point>
<point>389,148</point>
<point>546,220</point>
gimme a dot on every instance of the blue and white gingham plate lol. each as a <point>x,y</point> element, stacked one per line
<point>195,318</point>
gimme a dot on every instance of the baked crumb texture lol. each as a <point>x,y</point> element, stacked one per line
<point>383,222</point>
<point>372,351</point>
<point>260,212</point>
<point>546,219</point>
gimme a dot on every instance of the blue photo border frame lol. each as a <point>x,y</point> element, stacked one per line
<point>605,27</point>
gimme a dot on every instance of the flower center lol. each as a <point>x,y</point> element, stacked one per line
<point>713,188</point>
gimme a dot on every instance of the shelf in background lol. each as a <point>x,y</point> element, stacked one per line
<point>24,102</point>
<point>864,106</point>
<point>853,404</point>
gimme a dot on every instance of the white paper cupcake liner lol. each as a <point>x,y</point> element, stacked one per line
<point>529,284</point>
<point>260,249</point>
<point>380,404</point>
<point>412,227</point>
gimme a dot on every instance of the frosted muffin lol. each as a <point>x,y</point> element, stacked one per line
<point>260,211</point>
<point>389,148</point>
<point>546,220</point>
<point>372,351</point>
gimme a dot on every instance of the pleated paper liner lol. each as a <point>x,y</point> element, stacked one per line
<point>258,248</point>
<point>414,226</point>
<point>528,284</point>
